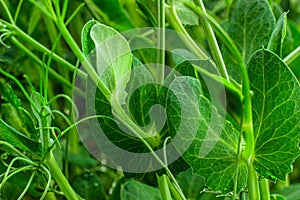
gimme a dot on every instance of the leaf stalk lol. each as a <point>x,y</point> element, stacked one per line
<point>292,56</point>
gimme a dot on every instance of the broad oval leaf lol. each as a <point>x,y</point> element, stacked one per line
<point>276,114</point>
<point>214,149</point>
<point>113,58</point>
<point>250,27</point>
<point>186,16</point>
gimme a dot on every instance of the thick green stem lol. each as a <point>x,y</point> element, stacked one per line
<point>60,179</point>
<point>264,189</point>
<point>252,183</point>
<point>292,56</point>
<point>247,125</point>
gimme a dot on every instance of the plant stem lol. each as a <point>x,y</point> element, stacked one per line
<point>45,134</point>
<point>96,12</point>
<point>27,186</point>
<point>292,56</point>
<point>39,62</point>
<point>247,125</point>
<point>228,85</point>
<point>264,189</point>
<point>191,44</point>
<point>252,183</point>
<point>161,42</point>
<point>173,190</point>
<point>22,35</point>
<point>76,50</point>
<point>60,179</point>
<point>215,50</point>
<point>164,187</point>
<point>10,18</point>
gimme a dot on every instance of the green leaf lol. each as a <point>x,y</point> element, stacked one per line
<point>278,35</point>
<point>145,50</point>
<point>190,184</point>
<point>186,16</point>
<point>143,99</point>
<point>19,119</point>
<point>28,123</point>
<point>291,42</point>
<point>17,139</point>
<point>9,95</point>
<point>10,115</point>
<point>110,126</point>
<point>290,193</point>
<point>149,9</point>
<point>213,152</point>
<point>118,17</point>
<point>114,130</point>
<point>89,186</point>
<point>276,114</point>
<point>250,27</point>
<point>134,190</point>
<point>87,44</point>
<point>140,103</point>
<point>113,58</point>
<point>41,108</point>
<point>14,186</point>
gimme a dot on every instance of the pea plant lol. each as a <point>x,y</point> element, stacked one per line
<point>149,99</point>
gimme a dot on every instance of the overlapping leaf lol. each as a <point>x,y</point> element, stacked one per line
<point>250,27</point>
<point>278,35</point>
<point>9,96</point>
<point>17,139</point>
<point>109,53</point>
<point>276,114</point>
<point>213,151</point>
